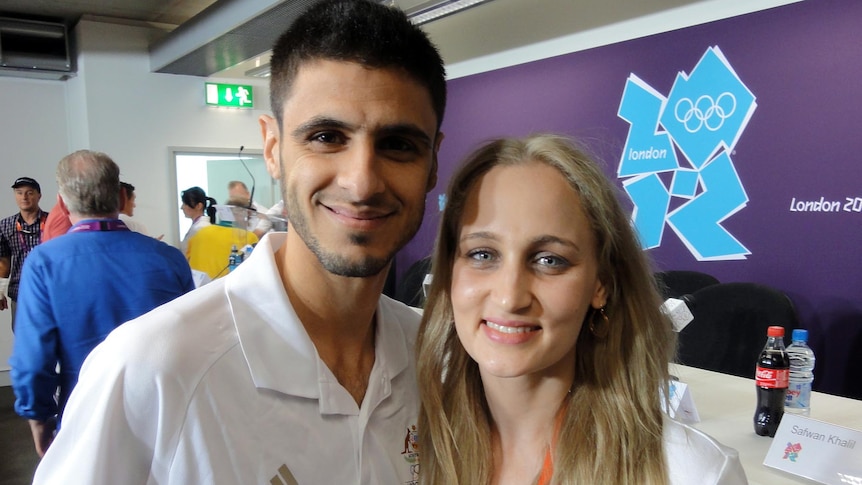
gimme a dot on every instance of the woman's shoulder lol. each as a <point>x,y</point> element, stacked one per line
<point>695,457</point>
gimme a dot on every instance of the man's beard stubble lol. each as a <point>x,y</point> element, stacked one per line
<point>336,263</point>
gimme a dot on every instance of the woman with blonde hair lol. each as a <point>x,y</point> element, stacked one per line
<point>542,350</point>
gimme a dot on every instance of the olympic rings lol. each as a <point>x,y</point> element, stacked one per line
<point>705,112</point>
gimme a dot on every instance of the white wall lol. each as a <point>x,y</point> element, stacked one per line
<point>115,105</point>
<point>135,116</point>
<point>33,136</point>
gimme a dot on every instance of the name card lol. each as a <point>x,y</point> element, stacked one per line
<point>816,450</point>
<point>681,403</point>
<point>426,285</point>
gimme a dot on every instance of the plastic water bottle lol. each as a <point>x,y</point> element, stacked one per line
<point>801,374</point>
<point>233,260</point>
<point>246,251</point>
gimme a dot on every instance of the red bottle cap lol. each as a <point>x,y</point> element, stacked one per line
<point>775,331</point>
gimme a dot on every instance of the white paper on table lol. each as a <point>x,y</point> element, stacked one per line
<point>816,450</point>
<point>682,406</point>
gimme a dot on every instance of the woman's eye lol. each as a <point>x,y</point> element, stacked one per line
<point>551,261</point>
<point>480,255</point>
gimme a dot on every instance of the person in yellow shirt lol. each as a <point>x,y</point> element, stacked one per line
<point>210,247</point>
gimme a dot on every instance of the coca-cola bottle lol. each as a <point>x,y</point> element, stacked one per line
<point>773,370</point>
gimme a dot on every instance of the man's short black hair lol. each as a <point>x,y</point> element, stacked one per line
<point>360,31</point>
<point>129,188</point>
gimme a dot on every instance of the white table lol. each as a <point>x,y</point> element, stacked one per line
<point>726,404</point>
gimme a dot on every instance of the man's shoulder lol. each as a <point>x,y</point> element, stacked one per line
<point>145,240</point>
<point>147,244</point>
<point>8,222</point>
<point>182,332</point>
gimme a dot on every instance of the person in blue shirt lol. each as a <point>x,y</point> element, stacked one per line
<point>77,288</point>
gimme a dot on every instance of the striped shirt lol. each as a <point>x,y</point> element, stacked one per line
<point>17,238</point>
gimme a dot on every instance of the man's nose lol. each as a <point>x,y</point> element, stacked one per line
<point>359,174</point>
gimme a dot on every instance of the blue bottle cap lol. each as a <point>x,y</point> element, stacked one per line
<point>799,334</point>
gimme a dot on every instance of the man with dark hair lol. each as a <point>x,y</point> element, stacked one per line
<point>77,288</point>
<point>127,209</point>
<point>293,368</point>
<point>19,234</point>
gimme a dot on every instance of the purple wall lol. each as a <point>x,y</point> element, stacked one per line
<point>803,62</point>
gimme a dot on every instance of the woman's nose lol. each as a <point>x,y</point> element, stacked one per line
<point>512,288</point>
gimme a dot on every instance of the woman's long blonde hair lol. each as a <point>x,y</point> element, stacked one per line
<point>612,427</point>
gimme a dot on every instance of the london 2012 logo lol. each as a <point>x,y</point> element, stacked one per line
<point>677,165</point>
<point>792,451</point>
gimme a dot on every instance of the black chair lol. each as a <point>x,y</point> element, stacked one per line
<point>729,327</point>
<point>410,291</point>
<point>675,283</point>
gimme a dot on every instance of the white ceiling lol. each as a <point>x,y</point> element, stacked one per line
<point>482,31</point>
<point>169,12</point>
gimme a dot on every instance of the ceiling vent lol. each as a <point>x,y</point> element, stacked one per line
<point>34,49</point>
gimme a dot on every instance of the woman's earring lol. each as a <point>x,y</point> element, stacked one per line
<point>601,328</point>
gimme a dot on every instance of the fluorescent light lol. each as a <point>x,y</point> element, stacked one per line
<point>259,71</point>
<point>440,9</point>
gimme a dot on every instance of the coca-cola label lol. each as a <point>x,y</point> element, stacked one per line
<point>772,378</point>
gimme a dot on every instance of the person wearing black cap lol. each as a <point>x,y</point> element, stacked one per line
<point>19,233</point>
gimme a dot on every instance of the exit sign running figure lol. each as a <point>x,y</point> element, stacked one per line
<point>230,95</point>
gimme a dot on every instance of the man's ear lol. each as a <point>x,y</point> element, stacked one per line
<point>432,175</point>
<point>270,132</point>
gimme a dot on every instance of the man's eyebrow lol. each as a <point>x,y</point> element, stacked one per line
<point>317,123</point>
<point>398,129</point>
<point>406,129</point>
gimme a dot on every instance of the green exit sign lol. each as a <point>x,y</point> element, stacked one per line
<point>231,95</point>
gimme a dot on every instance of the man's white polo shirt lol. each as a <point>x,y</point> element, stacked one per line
<point>224,386</point>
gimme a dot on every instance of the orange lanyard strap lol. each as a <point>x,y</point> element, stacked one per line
<point>548,464</point>
<point>19,228</point>
<point>547,469</point>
